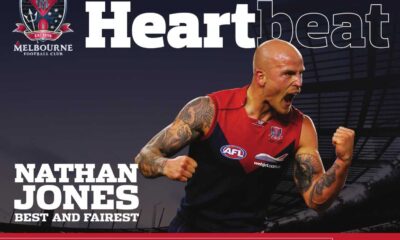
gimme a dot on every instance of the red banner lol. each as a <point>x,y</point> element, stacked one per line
<point>204,236</point>
<point>43,35</point>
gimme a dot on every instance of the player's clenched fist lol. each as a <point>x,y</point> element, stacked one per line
<point>343,140</point>
<point>180,168</point>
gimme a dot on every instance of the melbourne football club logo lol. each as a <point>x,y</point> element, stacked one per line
<point>276,133</point>
<point>43,20</point>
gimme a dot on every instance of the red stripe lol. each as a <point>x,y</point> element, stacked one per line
<point>203,236</point>
<point>214,120</point>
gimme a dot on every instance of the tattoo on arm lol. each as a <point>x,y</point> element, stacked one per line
<point>150,168</point>
<point>309,176</point>
<point>304,171</point>
<point>191,123</point>
<point>198,114</point>
<point>326,180</point>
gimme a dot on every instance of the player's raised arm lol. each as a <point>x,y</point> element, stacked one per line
<point>192,122</point>
<point>319,188</point>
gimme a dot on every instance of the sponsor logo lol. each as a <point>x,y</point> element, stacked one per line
<point>233,152</point>
<point>266,165</point>
<point>266,160</point>
<point>276,133</point>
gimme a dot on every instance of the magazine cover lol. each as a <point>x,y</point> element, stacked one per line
<point>215,119</point>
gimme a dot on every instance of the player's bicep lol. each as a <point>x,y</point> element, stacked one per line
<point>198,114</point>
<point>192,122</point>
<point>307,169</point>
<point>308,165</point>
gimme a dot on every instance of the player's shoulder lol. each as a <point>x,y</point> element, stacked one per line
<point>200,102</point>
<point>229,98</point>
<point>307,124</point>
<point>302,120</point>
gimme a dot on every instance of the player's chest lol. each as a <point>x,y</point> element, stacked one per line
<point>253,145</point>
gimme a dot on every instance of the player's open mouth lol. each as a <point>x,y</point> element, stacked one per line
<point>289,97</point>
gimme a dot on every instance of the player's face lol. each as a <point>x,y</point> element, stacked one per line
<point>284,78</point>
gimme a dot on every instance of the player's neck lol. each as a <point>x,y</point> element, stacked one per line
<point>256,107</point>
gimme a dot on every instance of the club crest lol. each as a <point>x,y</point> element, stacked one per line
<point>275,134</point>
<point>43,20</point>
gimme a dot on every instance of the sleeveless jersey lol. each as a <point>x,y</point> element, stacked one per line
<point>240,162</point>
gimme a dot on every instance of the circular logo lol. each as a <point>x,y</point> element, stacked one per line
<point>233,152</point>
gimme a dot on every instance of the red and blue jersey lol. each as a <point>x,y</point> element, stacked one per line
<point>240,162</point>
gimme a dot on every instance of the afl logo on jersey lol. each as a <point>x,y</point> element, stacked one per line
<point>233,152</point>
